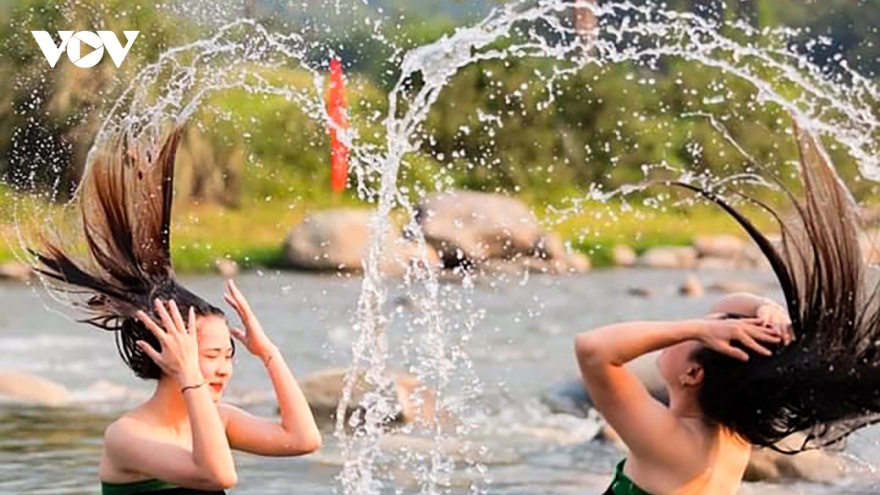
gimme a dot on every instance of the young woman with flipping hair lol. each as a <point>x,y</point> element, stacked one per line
<point>753,372</point>
<point>178,442</point>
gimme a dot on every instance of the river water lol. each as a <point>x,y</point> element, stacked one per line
<point>521,350</point>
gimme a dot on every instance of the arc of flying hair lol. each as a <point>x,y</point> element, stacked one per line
<point>815,165</point>
<point>126,224</point>
<point>826,382</point>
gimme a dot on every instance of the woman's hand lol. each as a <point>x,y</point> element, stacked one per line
<point>180,347</point>
<point>718,334</point>
<point>253,336</point>
<point>775,316</point>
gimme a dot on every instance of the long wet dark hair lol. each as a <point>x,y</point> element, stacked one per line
<point>826,383</point>
<point>125,202</point>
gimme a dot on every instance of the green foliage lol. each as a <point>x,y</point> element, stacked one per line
<point>602,127</point>
<point>53,112</point>
<point>496,126</point>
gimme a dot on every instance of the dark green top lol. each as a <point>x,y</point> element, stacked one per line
<point>150,486</point>
<point>622,485</point>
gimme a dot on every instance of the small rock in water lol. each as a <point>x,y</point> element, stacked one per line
<point>692,287</point>
<point>16,271</point>
<point>641,292</point>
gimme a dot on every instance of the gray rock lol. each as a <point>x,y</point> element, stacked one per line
<point>684,257</point>
<point>624,256</point>
<point>692,287</point>
<point>550,247</point>
<point>729,286</point>
<point>571,396</point>
<point>324,392</point>
<point>723,264</point>
<point>339,240</point>
<point>467,227</point>
<point>812,465</point>
<point>719,246</point>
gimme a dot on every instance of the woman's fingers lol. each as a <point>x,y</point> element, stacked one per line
<point>752,344</point>
<point>238,334</point>
<point>787,334</point>
<point>176,316</point>
<point>765,334</point>
<point>751,334</point>
<point>232,302</point>
<point>191,317</point>
<point>239,297</point>
<point>151,325</point>
<point>153,353</point>
<point>164,316</point>
<point>733,352</point>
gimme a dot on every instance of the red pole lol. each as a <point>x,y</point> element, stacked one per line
<point>336,105</point>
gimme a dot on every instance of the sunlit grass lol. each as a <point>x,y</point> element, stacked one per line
<point>600,227</point>
<point>251,235</point>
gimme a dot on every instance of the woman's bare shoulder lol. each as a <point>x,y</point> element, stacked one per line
<point>130,425</point>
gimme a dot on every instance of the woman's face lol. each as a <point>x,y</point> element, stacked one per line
<point>215,353</point>
<point>676,364</point>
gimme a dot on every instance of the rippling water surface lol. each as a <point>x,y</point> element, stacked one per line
<point>522,352</point>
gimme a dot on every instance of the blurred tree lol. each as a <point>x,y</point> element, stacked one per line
<point>48,116</point>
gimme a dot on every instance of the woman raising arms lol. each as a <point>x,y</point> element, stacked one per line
<point>179,441</point>
<point>753,372</point>
<point>674,449</point>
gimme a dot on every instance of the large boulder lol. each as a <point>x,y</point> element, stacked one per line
<point>493,233</point>
<point>471,227</point>
<point>811,465</point>
<point>571,397</point>
<point>324,392</point>
<point>550,255</point>
<point>21,387</point>
<point>719,246</point>
<point>339,240</point>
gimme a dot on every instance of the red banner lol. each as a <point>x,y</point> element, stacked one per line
<point>336,109</point>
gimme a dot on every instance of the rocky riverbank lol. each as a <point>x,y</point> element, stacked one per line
<point>477,232</point>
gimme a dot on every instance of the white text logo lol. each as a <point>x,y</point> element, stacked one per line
<point>72,42</point>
